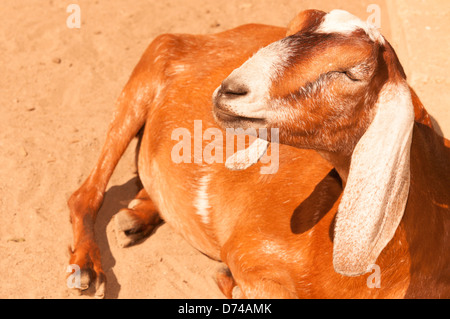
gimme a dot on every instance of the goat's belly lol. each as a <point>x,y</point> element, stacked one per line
<point>176,190</point>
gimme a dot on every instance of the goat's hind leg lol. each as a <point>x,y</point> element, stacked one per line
<point>84,203</point>
<point>137,221</point>
<point>138,96</point>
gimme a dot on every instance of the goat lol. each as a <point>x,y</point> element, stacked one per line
<point>362,180</point>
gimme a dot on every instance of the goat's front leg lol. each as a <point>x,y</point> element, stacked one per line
<point>137,221</point>
<point>226,282</point>
<point>86,201</point>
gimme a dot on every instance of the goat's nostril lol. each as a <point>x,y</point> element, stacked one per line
<point>231,89</point>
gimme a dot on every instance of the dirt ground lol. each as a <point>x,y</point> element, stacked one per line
<point>58,87</point>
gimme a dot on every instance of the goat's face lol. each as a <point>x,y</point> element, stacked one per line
<point>314,85</point>
<point>335,85</point>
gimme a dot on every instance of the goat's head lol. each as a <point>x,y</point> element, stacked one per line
<point>334,84</point>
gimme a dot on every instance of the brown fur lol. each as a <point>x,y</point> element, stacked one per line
<point>274,232</point>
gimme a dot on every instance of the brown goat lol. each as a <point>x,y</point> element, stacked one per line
<point>333,89</point>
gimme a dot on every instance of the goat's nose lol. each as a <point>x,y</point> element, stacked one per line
<point>231,89</point>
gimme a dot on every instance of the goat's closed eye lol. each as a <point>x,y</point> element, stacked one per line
<point>344,74</point>
<point>350,75</point>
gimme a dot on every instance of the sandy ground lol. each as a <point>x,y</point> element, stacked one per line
<point>58,87</point>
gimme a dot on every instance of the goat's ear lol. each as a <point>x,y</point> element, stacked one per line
<point>306,19</point>
<point>377,188</point>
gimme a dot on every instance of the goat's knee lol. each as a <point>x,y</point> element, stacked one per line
<point>137,221</point>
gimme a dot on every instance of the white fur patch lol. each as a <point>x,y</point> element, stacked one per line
<point>245,158</point>
<point>201,201</point>
<point>134,203</point>
<point>257,73</point>
<point>343,22</point>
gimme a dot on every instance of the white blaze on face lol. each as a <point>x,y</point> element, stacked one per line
<point>257,74</point>
<point>343,22</point>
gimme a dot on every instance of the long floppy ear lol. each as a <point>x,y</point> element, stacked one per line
<point>377,188</point>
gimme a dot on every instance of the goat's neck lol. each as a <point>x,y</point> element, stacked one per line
<point>340,162</point>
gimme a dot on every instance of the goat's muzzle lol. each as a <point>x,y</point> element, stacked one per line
<point>226,116</point>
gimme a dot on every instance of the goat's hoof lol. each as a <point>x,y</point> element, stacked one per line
<point>88,271</point>
<point>133,225</point>
<point>237,293</point>
<point>225,281</point>
<point>100,286</point>
<point>85,279</point>
<point>85,283</point>
<point>82,284</point>
<point>129,230</point>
